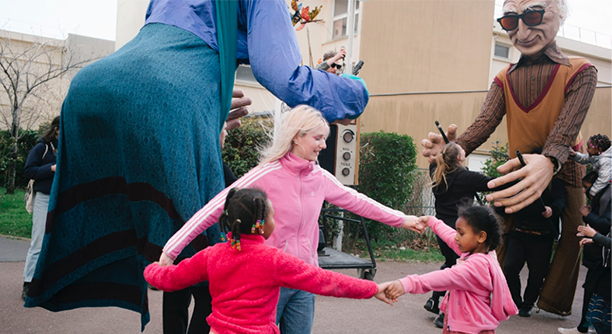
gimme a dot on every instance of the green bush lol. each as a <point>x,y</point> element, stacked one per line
<point>499,156</point>
<point>25,144</point>
<point>241,150</point>
<point>387,169</point>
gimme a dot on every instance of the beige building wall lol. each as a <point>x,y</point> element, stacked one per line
<point>45,102</point>
<point>425,60</point>
<point>431,63</point>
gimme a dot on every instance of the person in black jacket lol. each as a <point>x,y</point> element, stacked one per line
<point>453,185</point>
<point>40,167</point>
<point>598,313</point>
<point>536,228</point>
<point>598,217</point>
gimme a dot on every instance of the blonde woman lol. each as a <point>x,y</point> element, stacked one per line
<point>297,186</point>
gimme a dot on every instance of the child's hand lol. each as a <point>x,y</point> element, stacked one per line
<point>412,223</point>
<point>585,210</point>
<point>165,260</point>
<point>380,295</point>
<point>423,220</point>
<point>394,290</point>
<point>547,212</point>
<point>586,231</point>
<point>572,153</point>
<point>586,241</point>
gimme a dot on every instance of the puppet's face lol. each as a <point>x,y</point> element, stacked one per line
<point>531,39</point>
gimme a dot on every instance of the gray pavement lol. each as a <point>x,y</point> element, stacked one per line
<point>333,315</point>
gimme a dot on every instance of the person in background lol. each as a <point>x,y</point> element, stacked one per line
<point>546,96</point>
<point>599,310</point>
<point>40,167</point>
<point>536,228</point>
<point>599,154</point>
<point>332,61</point>
<point>598,217</point>
<point>140,152</point>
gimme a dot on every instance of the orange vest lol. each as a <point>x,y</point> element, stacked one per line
<point>529,126</point>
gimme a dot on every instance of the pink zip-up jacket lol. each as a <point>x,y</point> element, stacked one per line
<point>245,284</point>
<point>297,189</point>
<point>478,297</point>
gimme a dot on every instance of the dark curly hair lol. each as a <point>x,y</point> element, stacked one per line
<point>482,218</point>
<point>243,208</point>
<point>600,142</point>
<point>590,178</point>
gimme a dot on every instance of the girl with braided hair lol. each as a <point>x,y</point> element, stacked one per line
<point>453,185</point>
<point>478,298</point>
<point>297,186</point>
<point>600,155</point>
<point>245,275</point>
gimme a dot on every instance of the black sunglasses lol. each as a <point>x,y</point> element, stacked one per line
<point>531,18</point>
<point>334,65</point>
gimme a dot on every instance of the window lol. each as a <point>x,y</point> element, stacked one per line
<point>340,18</point>
<point>244,73</point>
<point>502,51</point>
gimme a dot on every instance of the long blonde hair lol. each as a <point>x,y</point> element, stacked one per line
<point>446,163</point>
<point>298,121</point>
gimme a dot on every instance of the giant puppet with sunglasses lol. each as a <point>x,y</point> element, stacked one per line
<point>545,97</point>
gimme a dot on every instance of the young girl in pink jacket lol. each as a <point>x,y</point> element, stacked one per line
<point>245,275</point>
<point>297,186</point>
<point>478,297</point>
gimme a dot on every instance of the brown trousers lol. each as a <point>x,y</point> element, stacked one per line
<point>557,294</point>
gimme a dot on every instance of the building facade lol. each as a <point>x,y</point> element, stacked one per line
<point>424,60</point>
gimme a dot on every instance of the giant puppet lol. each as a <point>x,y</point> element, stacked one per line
<point>545,97</point>
<point>139,150</point>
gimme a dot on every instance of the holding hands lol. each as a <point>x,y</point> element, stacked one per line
<point>388,292</point>
<point>381,294</point>
<point>414,223</point>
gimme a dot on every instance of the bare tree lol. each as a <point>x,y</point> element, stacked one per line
<point>28,68</point>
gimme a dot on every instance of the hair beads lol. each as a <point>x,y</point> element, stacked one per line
<point>243,205</point>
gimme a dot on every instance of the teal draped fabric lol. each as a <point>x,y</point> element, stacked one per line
<point>227,37</point>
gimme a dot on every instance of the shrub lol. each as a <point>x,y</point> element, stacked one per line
<point>387,169</point>
<point>25,144</point>
<point>499,156</point>
<point>241,150</point>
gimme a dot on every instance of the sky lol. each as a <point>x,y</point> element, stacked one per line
<point>97,18</point>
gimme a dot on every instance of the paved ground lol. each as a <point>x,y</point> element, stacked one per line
<point>333,315</point>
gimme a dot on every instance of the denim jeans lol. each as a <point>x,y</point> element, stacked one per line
<point>39,219</point>
<point>295,311</point>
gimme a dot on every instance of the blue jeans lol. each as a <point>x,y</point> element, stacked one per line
<point>39,220</point>
<point>295,311</point>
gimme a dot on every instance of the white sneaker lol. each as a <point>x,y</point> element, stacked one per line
<point>568,330</point>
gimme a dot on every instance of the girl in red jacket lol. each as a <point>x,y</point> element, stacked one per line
<point>245,275</point>
<point>478,297</point>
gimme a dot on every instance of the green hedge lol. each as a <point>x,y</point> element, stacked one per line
<point>25,144</point>
<point>241,151</point>
<point>387,170</point>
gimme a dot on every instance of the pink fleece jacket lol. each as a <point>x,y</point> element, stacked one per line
<point>478,297</point>
<point>245,285</point>
<point>297,189</point>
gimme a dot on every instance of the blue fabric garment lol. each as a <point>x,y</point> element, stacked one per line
<point>267,40</point>
<point>137,157</point>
